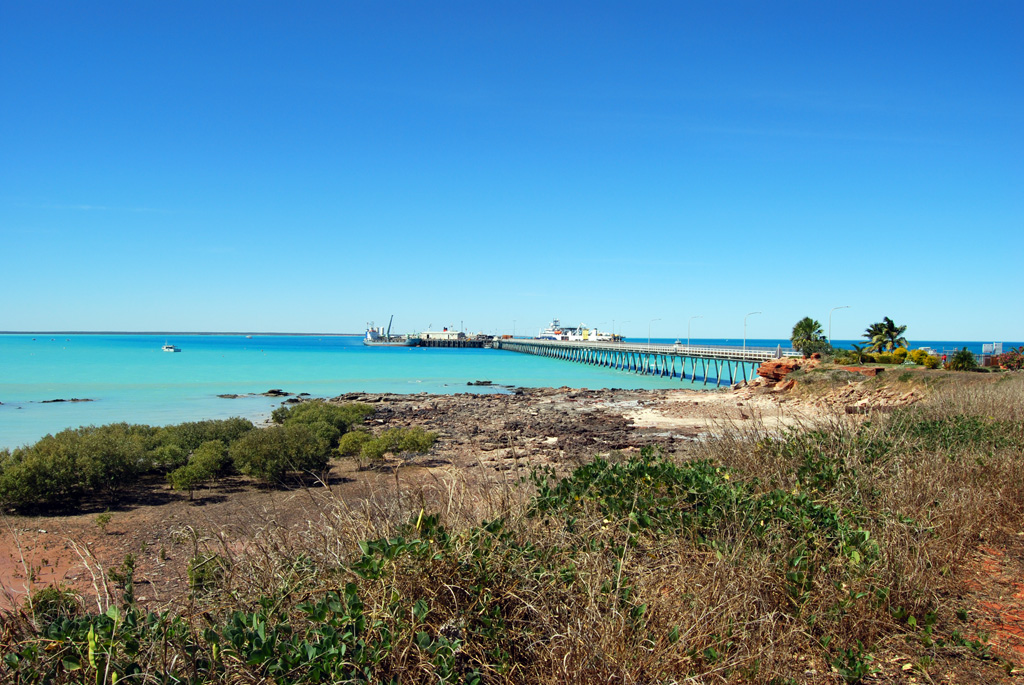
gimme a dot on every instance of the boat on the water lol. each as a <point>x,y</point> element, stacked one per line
<point>377,337</point>
<point>170,348</point>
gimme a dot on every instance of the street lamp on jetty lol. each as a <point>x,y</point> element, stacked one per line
<point>845,306</point>
<point>688,328</point>
<point>649,334</point>
<point>745,332</point>
<point>620,328</point>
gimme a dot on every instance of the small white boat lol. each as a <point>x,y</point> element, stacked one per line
<point>170,348</point>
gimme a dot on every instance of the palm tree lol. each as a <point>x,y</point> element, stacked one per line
<point>874,333</point>
<point>885,335</point>
<point>806,333</point>
<point>859,350</point>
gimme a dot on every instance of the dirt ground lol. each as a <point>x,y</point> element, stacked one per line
<point>483,437</point>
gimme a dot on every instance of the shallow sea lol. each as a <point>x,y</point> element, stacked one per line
<point>129,378</point>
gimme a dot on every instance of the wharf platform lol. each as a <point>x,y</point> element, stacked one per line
<point>462,343</point>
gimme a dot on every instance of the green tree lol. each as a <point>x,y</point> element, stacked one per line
<point>808,338</point>
<point>885,336</point>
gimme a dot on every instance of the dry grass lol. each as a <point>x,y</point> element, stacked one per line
<point>759,558</point>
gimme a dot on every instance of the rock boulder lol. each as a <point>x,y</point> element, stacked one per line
<point>777,369</point>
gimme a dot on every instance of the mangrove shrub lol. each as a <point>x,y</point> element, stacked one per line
<point>271,452</point>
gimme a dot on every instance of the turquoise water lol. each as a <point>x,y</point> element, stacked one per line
<point>131,379</point>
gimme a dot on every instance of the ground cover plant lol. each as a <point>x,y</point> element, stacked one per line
<point>757,557</point>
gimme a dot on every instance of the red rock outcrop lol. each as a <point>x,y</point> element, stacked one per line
<point>778,369</point>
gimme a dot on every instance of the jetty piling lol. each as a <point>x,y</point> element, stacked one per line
<point>717,364</point>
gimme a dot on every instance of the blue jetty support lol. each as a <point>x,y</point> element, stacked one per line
<point>715,364</point>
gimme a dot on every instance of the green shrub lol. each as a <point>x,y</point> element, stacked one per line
<point>341,416</point>
<point>844,357</point>
<point>54,603</point>
<point>394,440</point>
<point>899,355</point>
<point>206,572</point>
<point>351,444</point>
<point>809,347</point>
<point>963,360</point>
<point>64,467</point>
<point>189,436</point>
<point>922,357</point>
<point>206,463</point>
<point>168,457</point>
<point>269,453</point>
<point>324,432</point>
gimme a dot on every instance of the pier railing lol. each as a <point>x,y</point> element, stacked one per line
<point>734,353</point>
<point>721,364</point>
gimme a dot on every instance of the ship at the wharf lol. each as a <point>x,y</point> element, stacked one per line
<point>377,337</point>
<point>556,331</point>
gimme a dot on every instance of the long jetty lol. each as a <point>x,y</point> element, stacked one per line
<point>717,364</point>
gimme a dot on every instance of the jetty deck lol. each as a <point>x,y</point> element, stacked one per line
<point>716,364</point>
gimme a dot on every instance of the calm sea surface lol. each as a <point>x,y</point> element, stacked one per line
<point>129,378</point>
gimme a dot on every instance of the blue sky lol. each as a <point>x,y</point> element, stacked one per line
<point>312,166</point>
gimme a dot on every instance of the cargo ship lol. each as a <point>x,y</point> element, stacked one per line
<point>377,337</point>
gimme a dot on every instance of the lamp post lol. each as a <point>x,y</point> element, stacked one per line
<point>649,334</point>
<point>745,334</point>
<point>513,329</point>
<point>845,306</point>
<point>688,329</point>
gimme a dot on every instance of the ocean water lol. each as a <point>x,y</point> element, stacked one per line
<point>128,377</point>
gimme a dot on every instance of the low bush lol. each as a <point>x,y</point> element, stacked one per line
<point>924,358</point>
<point>62,468</point>
<point>845,357</point>
<point>206,463</point>
<point>270,453</point>
<point>341,416</point>
<point>351,444</point>
<point>187,437</point>
<point>52,604</point>
<point>414,440</point>
<point>821,347</point>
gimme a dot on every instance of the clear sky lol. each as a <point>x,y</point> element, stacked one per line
<point>310,166</point>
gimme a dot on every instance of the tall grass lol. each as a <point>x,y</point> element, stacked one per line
<point>756,557</point>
